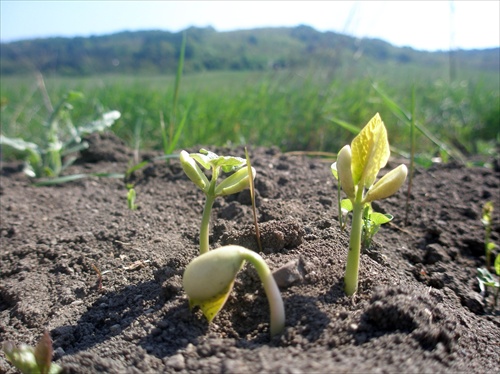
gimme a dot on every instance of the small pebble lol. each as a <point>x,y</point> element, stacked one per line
<point>115,329</point>
<point>175,362</point>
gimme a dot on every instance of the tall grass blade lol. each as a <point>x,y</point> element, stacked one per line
<point>346,125</point>
<point>74,177</point>
<point>252,196</point>
<point>177,84</point>
<point>164,136</point>
<point>412,153</point>
<point>178,132</point>
<point>406,119</point>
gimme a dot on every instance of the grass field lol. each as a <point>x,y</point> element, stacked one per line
<point>292,109</point>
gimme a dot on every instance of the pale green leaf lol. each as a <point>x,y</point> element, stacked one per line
<point>19,144</point>
<point>370,152</point>
<point>380,219</point>
<point>227,163</point>
<point>346,204</point>
<point>211,307</point>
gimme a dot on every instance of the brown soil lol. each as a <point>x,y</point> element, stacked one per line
<point>418,309</point>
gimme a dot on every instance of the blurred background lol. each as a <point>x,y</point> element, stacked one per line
<point>301,75</point>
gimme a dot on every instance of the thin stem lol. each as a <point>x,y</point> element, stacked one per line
<point>207,211</point>
<point>341,218</point>
<point>487,246</point>
<point>205,224</point>
<point>352,267</point>
<point>270,287</point>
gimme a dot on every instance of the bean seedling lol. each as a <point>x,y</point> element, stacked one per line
<point>356,169</point>
<point>62,139</point>
<point>30,360</point>
<point>209,279</point>
<point>486,279</point>
<point>235,183</point>
<point>484,275</point>
<point>486,219</point>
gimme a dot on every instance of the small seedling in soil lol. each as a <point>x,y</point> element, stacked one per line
<point>131,195</point>
<point>371,221</point>
<point>62,139</point>
<point>235,183</point>
<point>356,169</point>
<point>484,276</point>
<point>486,279</point>
<point>486,219</point>
<point>29,360</point>
<point>209,279</point>
<point>371,224</point>
<point>99,278</point>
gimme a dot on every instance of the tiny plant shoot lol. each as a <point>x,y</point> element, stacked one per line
<point>484,276</point>
<point>486,219</point>
<point>235,183</point>
<point>356,169</point>
<point>131,196</point>
<point>30,360</point>
<point>61,140</point>
<point>209,278</point>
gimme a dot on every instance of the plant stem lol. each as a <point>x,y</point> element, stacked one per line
<point>205,224</point>
<point>271,289</point>
<point>207,211</point>
<point>352,267</point>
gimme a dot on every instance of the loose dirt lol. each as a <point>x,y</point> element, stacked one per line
<point>418,308</point>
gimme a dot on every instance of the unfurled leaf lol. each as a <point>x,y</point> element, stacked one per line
<point>227,163</point>
<point>19,144</point>
<point>103,123</point>
<point>380,219</point>
<point>346,204</point>
<point>370,152</point>
<point>486,278</point>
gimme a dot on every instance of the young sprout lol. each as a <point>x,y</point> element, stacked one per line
<point>32,360</point>
<point>486,219</point>
<point>484,275</point>
<point>209,278</point>
<point>371,221</point>
<point>371,224</point>
<point>131,196</point>
<point>356,169</point>
<point>61,139</point>
<point>486,279</point>
<point>235,183</point>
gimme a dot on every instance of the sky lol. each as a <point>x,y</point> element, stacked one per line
<point>423,25</point>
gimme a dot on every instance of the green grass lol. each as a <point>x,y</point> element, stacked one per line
<point>292,109</point>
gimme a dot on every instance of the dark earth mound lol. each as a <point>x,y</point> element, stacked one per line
<point>418,309</point>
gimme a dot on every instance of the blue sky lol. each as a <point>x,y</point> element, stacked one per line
<point>425,25</point>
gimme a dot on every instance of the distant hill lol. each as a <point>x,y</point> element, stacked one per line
<point>156,52</point>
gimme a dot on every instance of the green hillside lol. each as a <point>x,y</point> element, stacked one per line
<point>156,52</point>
